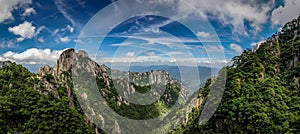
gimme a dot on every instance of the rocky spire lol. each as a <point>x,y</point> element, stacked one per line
<point>64,63</point>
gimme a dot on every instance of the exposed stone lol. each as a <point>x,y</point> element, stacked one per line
<point>40,71</point>
<point>296,81</point>
<point>47,69</point>
<point>116,129</point>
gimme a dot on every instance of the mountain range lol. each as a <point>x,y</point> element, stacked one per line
<point>175,71</point>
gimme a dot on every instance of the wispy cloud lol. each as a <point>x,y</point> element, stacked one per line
<point>65,39</point>
<point>237,48</point>
<point>64,10</point>
<point>170,42</point>
<point>233,13</point>
<point>8,44</point>
<point>81,3</point>
<point>203,34</point>
<point>211,48</point>
<point>41,40</point>
<point>122,44</point>
<point>140,27</point>
<point>28,12</point>
<point>129,54</point>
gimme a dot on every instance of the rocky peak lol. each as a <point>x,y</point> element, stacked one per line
<point>65,62</point>
<point>44,70</point>
<point>82,54</point>
<point>58,75</point>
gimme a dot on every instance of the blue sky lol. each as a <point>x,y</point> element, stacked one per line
<point>35,32</point>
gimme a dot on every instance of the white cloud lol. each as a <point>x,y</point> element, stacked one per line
<point>236,12</point>
<point>211,48</point>
<point>122,44</point>
<point>129,54</point>
<point>284,14</point>
<point>237,48</point>
<point>40,29</point>
<point>256,45</point>
<point>243,16</point>
<point>20,39</point>
<point>174,53</point>
<point>28,12</point>
<point>25,30</point>
<point>8,6</point>
<point>33,56</point>
<point>55,32</point>
<point>233,13</point>
<point>150,53</point>
<point>65,39</point>
<point>141,27</point>
<point>8,44</point>
<point>203,34</point>
<point>41,40</point>
<point>63,31</point>
<point>71,29</point>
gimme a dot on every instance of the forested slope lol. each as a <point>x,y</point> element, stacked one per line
<point>25,110</point>
<point>262,92</point>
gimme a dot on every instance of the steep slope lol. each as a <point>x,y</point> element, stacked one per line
<point>262,92</point>
<point>25,110</point>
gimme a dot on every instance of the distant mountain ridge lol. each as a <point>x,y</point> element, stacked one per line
<point>203,72</point>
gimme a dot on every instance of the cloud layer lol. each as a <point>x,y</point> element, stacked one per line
<point>284,14</point>
<point>7,7</point>
<point>32,56</point>
<point>234,13</point>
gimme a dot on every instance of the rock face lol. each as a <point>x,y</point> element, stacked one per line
<point>64,63</point>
